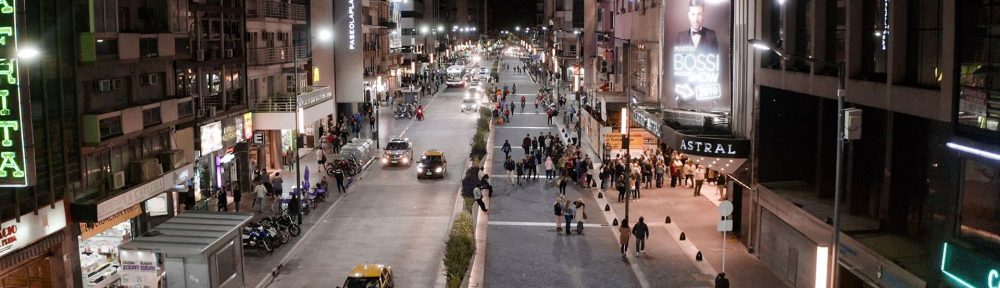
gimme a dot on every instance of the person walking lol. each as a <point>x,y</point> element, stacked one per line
<point>237,196</point>
<point>295,208</point>
<point>569,213</point>
<point>623,234</point>
<point>260,191</point>
<point>320,159</point>
<point>526,143</point>
<point>699,179</point>
<point>558,209</point>
<point>223,200</point>
<point>548,168</point>
<point>508,166</point>
<point>641,232</point>
<point>477,194</point>
<point>339,176</point>
<point>563,182</point>
<point>276,184</point>
<point>505,149</point>
<point>720,186</point>
<point>519,167</point>
<point>635,186</point>
<point>689,174</point>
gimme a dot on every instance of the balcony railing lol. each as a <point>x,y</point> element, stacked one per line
<point>276,55</point>
<point>311,95</point>
<point>279,10</point>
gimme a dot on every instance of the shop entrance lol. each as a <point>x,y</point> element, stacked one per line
<point>35,274</point>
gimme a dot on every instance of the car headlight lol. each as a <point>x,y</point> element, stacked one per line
<point>439,169</point>
<point>405,160</point>
<point>420,170</point>
<point>385,159</point>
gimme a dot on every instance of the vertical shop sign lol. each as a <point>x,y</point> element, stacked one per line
<point>12,150</point>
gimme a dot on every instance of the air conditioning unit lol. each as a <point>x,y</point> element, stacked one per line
<point>229,53</point>
<point>103,85</point>
<point>118,180</point>
<point>212,111</point>
<point>200,56</point>
<point>201,113</point>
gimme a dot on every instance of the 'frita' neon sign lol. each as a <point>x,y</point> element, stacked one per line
<point>12,150</point>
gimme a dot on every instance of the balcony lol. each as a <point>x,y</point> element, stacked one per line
<point>276,55</point>
<point>311,96</point>
<point>276,10</point>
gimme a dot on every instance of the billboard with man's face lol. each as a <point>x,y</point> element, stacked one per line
<point>696,41</point>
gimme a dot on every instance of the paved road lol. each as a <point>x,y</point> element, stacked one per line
<point>523,248</point>
<point>390,217</point>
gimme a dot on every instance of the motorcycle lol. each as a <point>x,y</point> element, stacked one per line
<point>255,236</point>
<point>420,114</point>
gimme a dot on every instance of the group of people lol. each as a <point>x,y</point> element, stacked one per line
<point>651,168</point>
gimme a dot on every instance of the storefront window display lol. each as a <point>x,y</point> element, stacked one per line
<point>99,260</point>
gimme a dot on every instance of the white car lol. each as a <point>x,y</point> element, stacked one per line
<point>476,87</point>
<point>470,104</point>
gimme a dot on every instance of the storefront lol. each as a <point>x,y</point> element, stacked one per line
<point>99,256</point>
<point>222,163</point>
<point>30,248</point>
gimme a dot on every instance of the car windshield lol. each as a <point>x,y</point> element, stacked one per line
<point>367,282</point>
<point>468,101</point>
<point>396,146</point>
<point>431,159</point>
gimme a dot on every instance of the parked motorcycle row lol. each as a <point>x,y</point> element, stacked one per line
<point>269,233</point>
<point>405,110</point>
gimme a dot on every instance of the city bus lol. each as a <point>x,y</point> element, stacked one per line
<point>456,76</point>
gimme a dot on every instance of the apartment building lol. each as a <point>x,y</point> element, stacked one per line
<point>382,64</point>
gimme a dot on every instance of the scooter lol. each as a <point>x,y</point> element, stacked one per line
<point>420,114</point>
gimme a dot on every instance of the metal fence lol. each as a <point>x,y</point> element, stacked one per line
<point>310,96</point>
<point>276,55</point>
<point>279,10</point>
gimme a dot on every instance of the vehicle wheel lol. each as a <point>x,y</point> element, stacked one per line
<point>331,172</point>
<point>294,230</point>
<point>267,247</point>
<point>284,237</point>
<point>275,242</point>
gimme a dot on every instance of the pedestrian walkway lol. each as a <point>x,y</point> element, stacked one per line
<point>696,218</point>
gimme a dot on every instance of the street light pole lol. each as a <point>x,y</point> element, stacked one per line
<point>295,132</point>
<point>626,119</point>
<point>838,189</point>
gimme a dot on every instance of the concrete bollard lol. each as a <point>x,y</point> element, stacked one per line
<point>600,195</point>
<point>668,219</point>
<point>614,223</point>
<point>607,207</point>
<point>683,237</point>
<point>698,256</point>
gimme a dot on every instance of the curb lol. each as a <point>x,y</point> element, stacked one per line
<point>478,267</point>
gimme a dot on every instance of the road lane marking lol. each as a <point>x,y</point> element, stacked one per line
<point>527,127</point>
<point>539,224</point>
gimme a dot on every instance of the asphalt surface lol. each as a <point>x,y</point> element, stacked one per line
<point>389,217</point>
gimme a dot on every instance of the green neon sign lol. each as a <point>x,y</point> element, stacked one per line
<point>13,152</point>
<point>968,269</point>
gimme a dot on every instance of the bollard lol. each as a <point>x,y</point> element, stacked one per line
<point>607,207</point>
<point>668,219</point>
<point>614,223</point>
<point>600,195</point>
<point>683,237</point>
<point>697,256</point>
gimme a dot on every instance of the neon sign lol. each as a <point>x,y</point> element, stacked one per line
<point>967,269</point>
<point>696,74</point>
<point>12,151</point>
<point>350,24</point>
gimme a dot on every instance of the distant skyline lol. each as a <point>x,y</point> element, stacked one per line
<point>506,14</point>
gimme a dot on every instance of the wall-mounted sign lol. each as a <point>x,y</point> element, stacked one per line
<point>697,36</point>
<point>713,147</point>
<point>349,70</point>
<point>247,125</point>
<point>969,268</point>
<point>13,153</point>
<point>211,137</point>
<point>33,226</point>
<point>647,121</point>
<point>88,230</point>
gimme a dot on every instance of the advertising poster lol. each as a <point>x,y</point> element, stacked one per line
<point>139,269</point>
<point>697,41</point>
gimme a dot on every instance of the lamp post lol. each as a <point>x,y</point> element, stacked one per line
<point>841,139</point>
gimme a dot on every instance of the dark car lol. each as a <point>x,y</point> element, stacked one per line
<point>397,151</point>
<point>432,164</point>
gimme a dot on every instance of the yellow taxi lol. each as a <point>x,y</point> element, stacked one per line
<point>369,276</point>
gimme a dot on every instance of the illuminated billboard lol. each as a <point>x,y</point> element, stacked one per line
<point>697,48</point>
<point>349,68</point>
<point>211,137</point>
<point>13,153</point>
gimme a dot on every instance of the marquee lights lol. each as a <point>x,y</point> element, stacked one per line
<point>12,151</point>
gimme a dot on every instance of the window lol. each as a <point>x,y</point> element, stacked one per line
<point>185,109</point>
<point>110,127</point>
<point>924,47</point>
<point>875,42</point>
<point>979,57</point>
<point>182,46</point>
<point>980,202</point>
<point>411,14</point>
<point>147,47</point>
<point>106,49</point>
<point>835,34</point>
<point>151,117</point>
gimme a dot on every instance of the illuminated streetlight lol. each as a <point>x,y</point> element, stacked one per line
<point>324,35</point>
<point>518,28</point>
<point>424,29</point>
<point>440,28</point>
<point>27,53</point>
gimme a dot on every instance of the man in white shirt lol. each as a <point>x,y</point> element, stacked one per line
<point>699,179</point>
<point>261,193</point>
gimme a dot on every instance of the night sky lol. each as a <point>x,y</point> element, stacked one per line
<point>505,14</point>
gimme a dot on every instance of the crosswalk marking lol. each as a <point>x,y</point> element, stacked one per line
<point>539,224</point>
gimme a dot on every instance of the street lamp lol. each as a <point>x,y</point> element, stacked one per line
<point>28,53</point>
<point>626,135</point>
<point>841,138</point>
<point>440,28</point>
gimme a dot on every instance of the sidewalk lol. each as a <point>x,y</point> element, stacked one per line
<point>696,217</point>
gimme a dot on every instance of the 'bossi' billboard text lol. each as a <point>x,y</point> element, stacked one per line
<point>697,39</point>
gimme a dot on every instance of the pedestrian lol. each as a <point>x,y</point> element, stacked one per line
<point>295,208</point>
<point>568,213</point>
<point>519,168</point>
<point>558,209</point>
<point>720,186</point>
<point>623,234</point>
<point>563,182</point>
<point>689,174</point>
<point>320,159</point>
<point>622,189</point>
<point>580,209</point>
<point>721,281</point>
<point>659,170</point>
<point>641,232</point>
<point>339,176</point>
<point>526,143</point>
<point>508,165</point>
<point>223,202</point>
<point>647,174</point>
<point>276,184</point>
<point>699,179</point>
<point>506,148</point>
<point>260,191</point>
<point>477,194</point>
<point>484,184</point>
<point>548,168</point>
<point>237,196</point>
<point>635,185</point>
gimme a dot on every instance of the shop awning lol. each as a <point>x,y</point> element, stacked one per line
<point>708,144</point>
<point>190,233</point>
